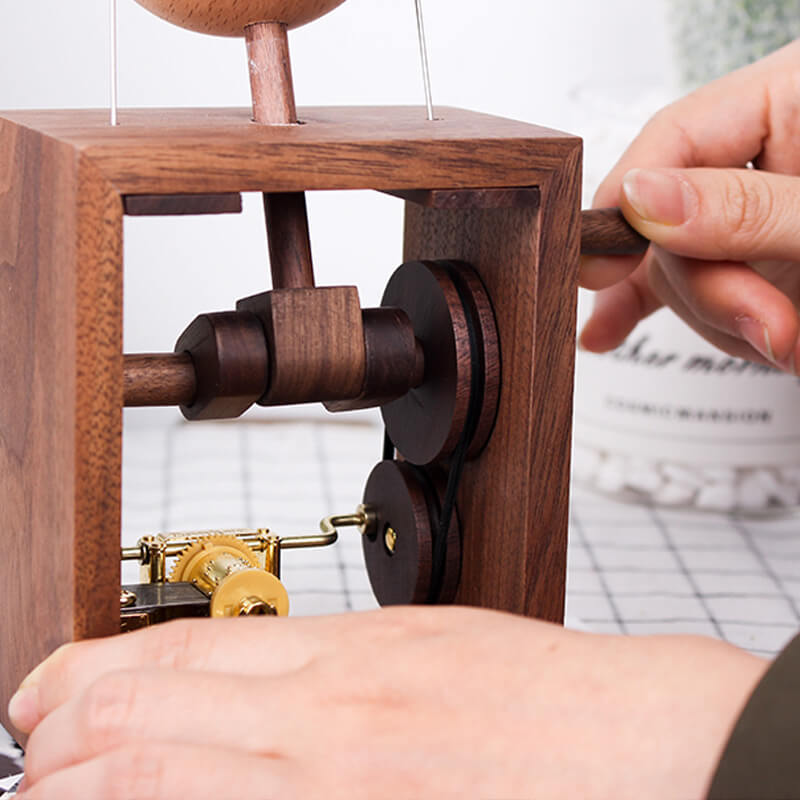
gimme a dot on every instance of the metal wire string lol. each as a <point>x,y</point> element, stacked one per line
<point>112,14</point>
<point>423,50</point>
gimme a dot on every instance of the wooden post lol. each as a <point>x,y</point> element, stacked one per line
<point>60,401</point>
<point>272,90</point>
<point>270,73</point>
<point>514,498</point>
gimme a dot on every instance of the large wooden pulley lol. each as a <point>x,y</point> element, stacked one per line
<point>400,549</point>
<point>453,320</point>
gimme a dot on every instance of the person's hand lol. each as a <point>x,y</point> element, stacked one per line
<point>727,252</point>
<point>407,703</point>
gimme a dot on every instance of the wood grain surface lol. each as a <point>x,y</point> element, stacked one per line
<point>604,231</point>
<point>271,83</point>
<point>60,400</point>
<point>159,379</point>
<point>316,343</point>
<point>200,151</point>
<point>513,502</point>
<point>290,261</point>
<point>228,350</point>
<point>177,205</point>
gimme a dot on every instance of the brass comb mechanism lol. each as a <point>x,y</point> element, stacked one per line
<point>218,573</point>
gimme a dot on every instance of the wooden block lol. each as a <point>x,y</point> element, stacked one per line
<point>454,199</point>
<point>60,401</point>
<point>174,205</point>
<point>316,343</point>
<point>201,151</point>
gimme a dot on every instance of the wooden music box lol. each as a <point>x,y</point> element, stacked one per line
<point>470,356</point>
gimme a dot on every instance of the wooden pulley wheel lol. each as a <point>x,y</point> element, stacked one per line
<point>231,17</point>
<point>453,320</point>
<point>400,550</point>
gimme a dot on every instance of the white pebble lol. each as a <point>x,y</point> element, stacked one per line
<point>585,463</point>
<point>643,476</point>
<point>683,475</point>
<point>785,494</point>
<point>674,494</point>
<point>719,474</point>
<point>751,494</point>
<point>717,497</point>
<point>611,476</point>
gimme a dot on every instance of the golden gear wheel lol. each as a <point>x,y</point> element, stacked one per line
<point>190,563</point>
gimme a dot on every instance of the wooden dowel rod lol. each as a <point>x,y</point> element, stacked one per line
<point>159,379</point>
<point>289,244</point>
<point>605,232</point>
<point>271,82</point>
<point>272,89</point>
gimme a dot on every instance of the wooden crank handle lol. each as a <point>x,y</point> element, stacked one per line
<point>605,232</point>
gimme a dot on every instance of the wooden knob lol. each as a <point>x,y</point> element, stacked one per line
<point>230,17</point>
<point>605,232</point>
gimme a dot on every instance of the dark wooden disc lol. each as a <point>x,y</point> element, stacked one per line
<point>404,502</point>
<point>426,424</point>
<point>485,324</point>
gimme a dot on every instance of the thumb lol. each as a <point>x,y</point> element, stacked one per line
<point>716,214</point>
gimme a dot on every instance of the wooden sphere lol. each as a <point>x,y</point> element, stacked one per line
<point>230,17</point>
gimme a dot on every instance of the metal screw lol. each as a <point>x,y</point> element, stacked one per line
<point>390,539</point>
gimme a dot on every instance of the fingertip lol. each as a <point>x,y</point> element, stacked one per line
<point>24,709</point>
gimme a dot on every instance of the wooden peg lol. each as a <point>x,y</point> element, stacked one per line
<point>289,243</point>
<point>159,379</point>
<point>605,232</point>
<point>271,82</point>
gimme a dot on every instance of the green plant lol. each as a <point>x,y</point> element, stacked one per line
<point>713,37</point>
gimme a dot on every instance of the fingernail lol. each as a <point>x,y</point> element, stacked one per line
<point>755,333</point>
<point>23,708</point>
<point>663,198</point>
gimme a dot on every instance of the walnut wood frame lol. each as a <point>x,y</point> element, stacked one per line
<point>64,179</point>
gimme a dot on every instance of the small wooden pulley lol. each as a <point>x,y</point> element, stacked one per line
<point>400,549</point>
<point>452,319</point>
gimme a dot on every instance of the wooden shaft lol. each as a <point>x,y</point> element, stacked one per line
<point>289,243</point>
<point>605,232</point>
<point>270,73</point>
<point>159,379</point>
<point>272,89</point>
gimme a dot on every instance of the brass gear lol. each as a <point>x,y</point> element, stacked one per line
<point>228,572</point>
<point>192,561</point>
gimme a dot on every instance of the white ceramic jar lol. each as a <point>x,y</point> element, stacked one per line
<point>667,418</point>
